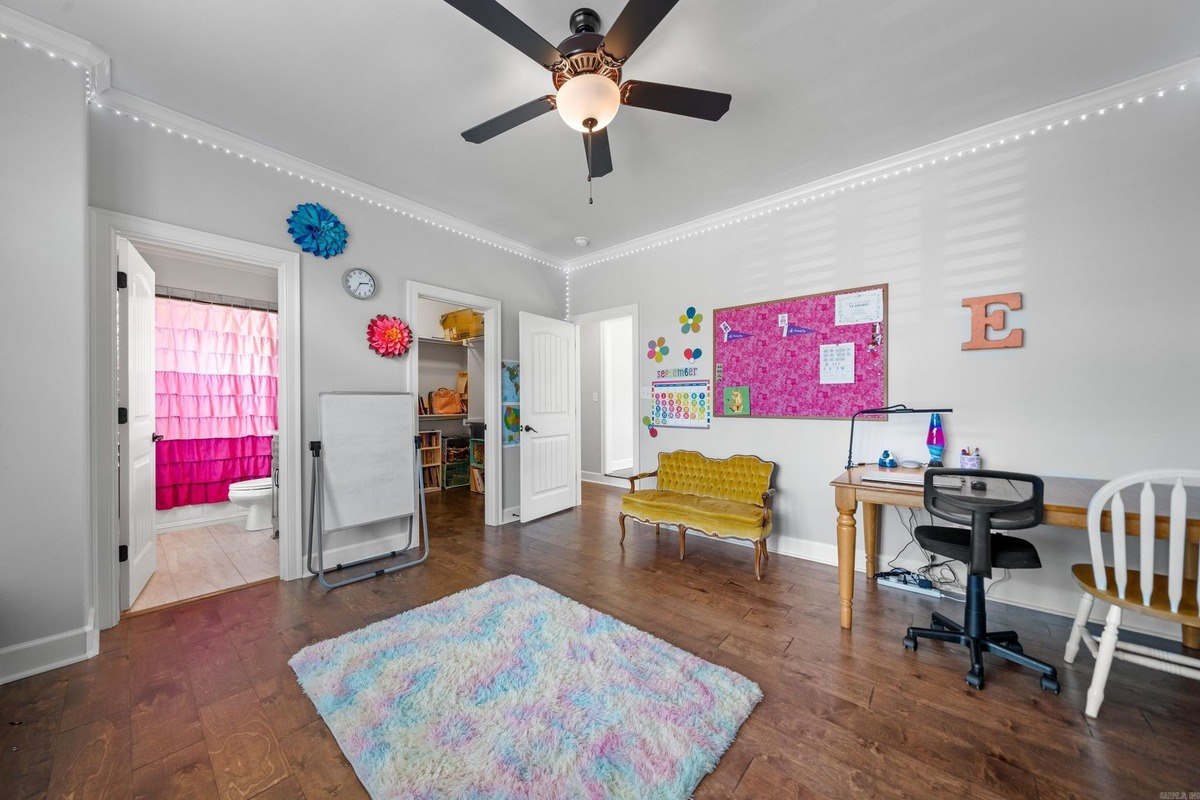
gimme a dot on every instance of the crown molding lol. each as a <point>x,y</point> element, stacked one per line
<point>95,63</point>
<point>1151,85</point>
<point>201,134</point>
<point>82,54</point>
<point>58,44</point>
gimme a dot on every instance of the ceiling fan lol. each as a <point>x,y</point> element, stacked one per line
<point>586,69</point>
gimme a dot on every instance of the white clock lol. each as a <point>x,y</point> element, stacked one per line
<point>358,283</point>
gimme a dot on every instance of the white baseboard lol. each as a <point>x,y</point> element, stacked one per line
<point>373,547</point>
<point>49,652</point>
<point>183,517</point>
<point>598,477</point>
<point>1050,599</point>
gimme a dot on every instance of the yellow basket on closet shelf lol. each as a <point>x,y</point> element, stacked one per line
<point>464,323</point>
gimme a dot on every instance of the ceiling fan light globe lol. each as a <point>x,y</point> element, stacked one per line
<point>587,97</point>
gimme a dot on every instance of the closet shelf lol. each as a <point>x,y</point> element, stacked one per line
<point>451,342</point>
<point>442,416</point>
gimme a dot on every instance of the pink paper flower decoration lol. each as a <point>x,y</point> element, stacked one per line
<point>389,336</point>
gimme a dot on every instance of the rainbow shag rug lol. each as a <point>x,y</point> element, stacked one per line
<point>510,691</point>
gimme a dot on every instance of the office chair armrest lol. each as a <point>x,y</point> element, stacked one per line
<point>633,479</point>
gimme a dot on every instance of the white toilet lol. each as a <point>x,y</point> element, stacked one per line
<point>255,496</point>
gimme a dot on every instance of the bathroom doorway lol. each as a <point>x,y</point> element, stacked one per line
<point>216,442</point>
<point>198,465</point>
<point>608,395</point>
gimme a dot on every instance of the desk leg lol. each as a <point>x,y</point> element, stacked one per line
<point>871,536</point>
<point>847,504</point>
<point>1191,636</point>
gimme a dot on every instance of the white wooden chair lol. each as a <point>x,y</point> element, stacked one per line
<point>1171,597</point>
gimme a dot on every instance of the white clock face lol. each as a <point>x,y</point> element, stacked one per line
<point>358,283</point>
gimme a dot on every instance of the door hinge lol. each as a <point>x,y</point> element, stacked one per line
<point>122,415</point>
<point>123,553</point>
<point>122,279</point>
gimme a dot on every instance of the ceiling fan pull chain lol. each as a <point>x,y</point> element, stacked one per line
<point>591,135</point>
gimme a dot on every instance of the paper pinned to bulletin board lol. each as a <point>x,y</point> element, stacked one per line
<point>681,404</point>
<point>821,356</point>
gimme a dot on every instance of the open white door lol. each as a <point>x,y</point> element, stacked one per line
<point>549,416</point>
<point>135,388</point>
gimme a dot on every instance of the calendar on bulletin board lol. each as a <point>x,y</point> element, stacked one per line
<point>821,356</point>
<point>681,404</point>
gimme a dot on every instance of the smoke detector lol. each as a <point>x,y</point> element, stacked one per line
<point>582,241</point>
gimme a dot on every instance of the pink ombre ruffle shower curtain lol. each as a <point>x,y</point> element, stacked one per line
<point>215,388</point>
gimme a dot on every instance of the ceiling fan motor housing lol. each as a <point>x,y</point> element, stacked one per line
<point>584,20</point>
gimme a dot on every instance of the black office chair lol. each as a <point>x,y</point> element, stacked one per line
<point>985,500</point>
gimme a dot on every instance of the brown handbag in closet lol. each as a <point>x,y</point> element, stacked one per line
<point>446,401</point>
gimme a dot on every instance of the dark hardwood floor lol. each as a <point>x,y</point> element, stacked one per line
<point>198,701</point>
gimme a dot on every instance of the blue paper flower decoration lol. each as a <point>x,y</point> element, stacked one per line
<point>317,230</point>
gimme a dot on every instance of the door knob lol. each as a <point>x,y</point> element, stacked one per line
<point>530,429</point>
<point>156,437</point>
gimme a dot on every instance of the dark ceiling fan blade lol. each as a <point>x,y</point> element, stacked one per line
<point>599,156</point>
<point>509,119</point>
<point>697,103</point>
<point>636,21</point>
<point>502,22</point>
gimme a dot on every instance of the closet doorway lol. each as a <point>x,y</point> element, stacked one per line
<point>455,372</point>
<point>608,394</point>
<point>197,467</point>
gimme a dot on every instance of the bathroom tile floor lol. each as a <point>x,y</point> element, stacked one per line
<point>202,560</point>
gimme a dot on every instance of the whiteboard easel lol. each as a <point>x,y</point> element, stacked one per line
<point>366,468</point>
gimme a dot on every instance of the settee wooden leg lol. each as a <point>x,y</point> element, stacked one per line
<point>657,528</point>
<point>682,540</point>
<point>758,556</point>
<point>621,520</point>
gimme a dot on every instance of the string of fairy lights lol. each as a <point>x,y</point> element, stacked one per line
<point>1133,100</point>
<point>253,160</point>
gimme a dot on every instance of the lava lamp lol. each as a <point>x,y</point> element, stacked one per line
<point>936,440</point>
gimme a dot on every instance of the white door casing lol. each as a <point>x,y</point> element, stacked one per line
<point>135,438</point>
<point>549,353</point>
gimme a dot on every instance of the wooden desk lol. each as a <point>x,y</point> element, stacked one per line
<point>1066,501</point>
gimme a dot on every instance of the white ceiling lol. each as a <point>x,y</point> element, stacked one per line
<point>380,90</point>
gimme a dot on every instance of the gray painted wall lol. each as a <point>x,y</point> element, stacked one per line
<point>1095,224</point>
<point>234,280</point>
<point>590,385</point>
<point>44,475</point>
<point>138,171</point>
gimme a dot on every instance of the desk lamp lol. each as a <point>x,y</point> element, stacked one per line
<point>900,408</point>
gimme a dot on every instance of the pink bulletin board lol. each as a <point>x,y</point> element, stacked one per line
<point>825,360</point>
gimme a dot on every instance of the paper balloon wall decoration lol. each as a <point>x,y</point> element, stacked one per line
<point>689,321</point>
<point>653,431</point>
<point>656,349</point>
<point>317,230</point>
<point>389,336</point>
<point>693,354</point>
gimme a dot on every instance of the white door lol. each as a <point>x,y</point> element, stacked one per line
<point>135,387</point>
<point>549,416</point>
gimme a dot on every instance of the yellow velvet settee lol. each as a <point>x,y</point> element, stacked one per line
<point>727,498</point>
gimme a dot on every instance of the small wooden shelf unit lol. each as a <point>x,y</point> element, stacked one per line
<point>431,460</point>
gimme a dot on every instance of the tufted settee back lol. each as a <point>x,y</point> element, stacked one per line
<point>740,478</point>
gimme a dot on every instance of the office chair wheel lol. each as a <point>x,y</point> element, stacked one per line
<point>936,625</point>
<point>910,642</point>
<point>975,680</point>
<point>1016,647</point>
<point>1050,684</point>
